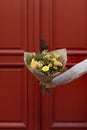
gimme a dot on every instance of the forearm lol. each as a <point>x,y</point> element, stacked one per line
<point>73,73</point>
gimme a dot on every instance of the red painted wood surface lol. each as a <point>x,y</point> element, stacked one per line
<point>64,25</point>
<point>19,32</point>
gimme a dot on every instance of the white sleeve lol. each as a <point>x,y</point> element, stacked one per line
<point>73,73</point>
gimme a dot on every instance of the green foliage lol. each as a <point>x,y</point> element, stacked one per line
<point>29,59</point>
<point>40,56</point>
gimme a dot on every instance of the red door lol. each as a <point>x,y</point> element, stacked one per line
<point>64,25</point>
<point>17,85</point>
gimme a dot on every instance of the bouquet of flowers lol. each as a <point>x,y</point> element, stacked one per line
<point>46,65</point>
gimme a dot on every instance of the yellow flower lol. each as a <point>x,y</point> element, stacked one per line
<point>45,68</point>
<point>50,64</point>
<point>54,59</point>
<point>33,60</point>
<point>58,63</point>
<point>48,56</point>
<point>39,64</point>
<point>55,67</point>
<point>33,64</point>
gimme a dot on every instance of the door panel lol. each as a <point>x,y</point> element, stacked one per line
<point>63,25</point>
<point>16,88</point>
<point>13,91</point>
<point>69,23</point>
<point>11,24</point>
